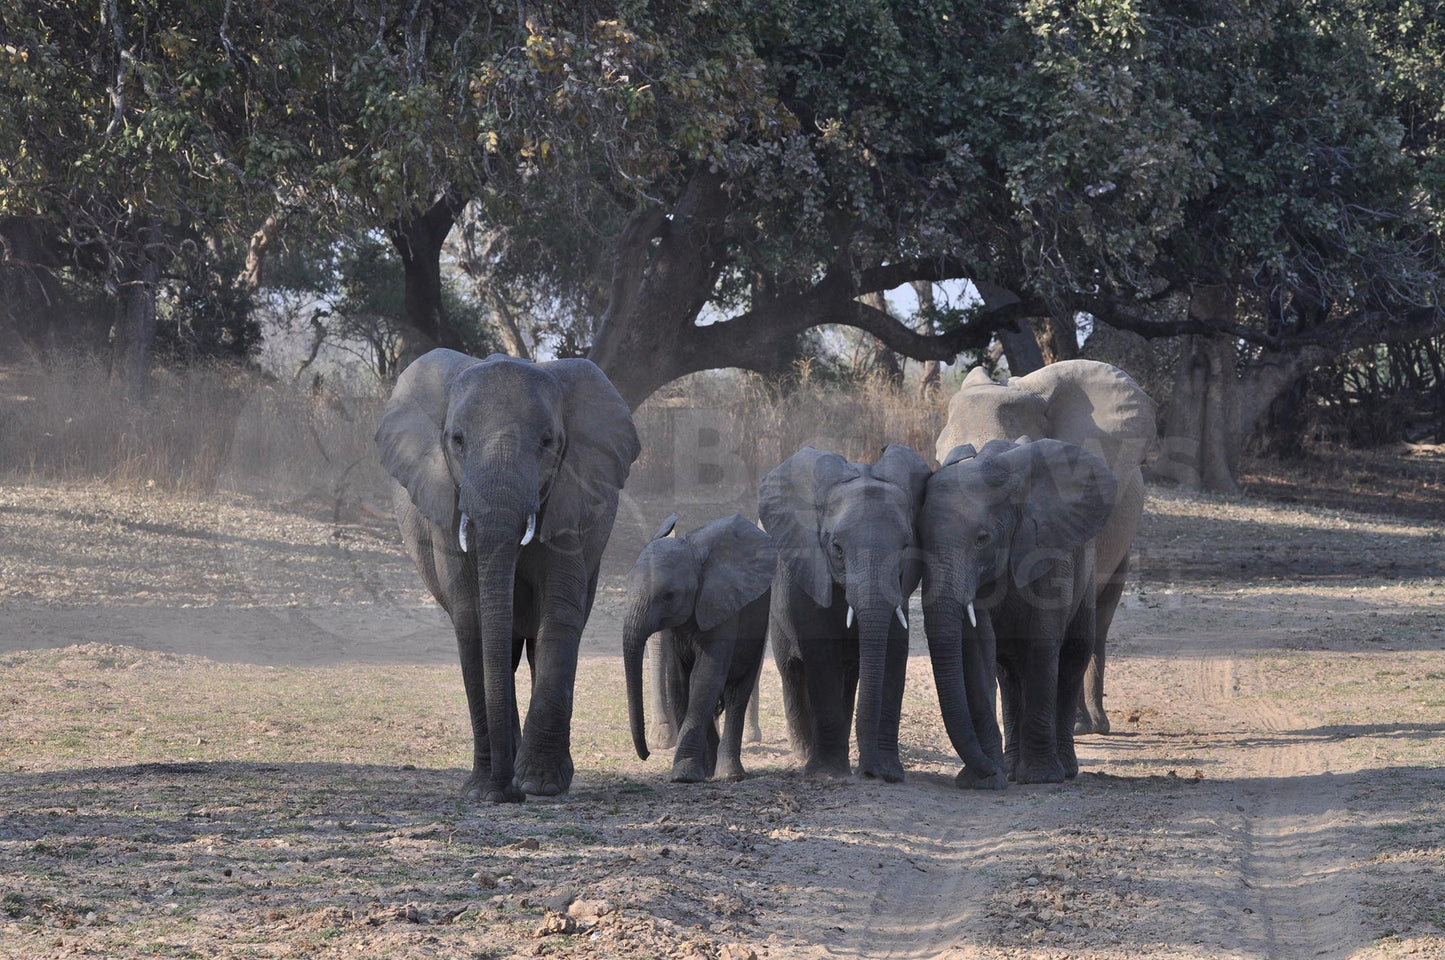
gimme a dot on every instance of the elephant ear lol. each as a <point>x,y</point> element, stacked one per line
<point>905,469</point>
<point>790,503</point>
<point>601,446</point>
<point>1096,405</point>
<point>738,563</point>
<point>1066,496</point>
<point>667,527</point>
<point>409,436</point>
<point>958,454</point>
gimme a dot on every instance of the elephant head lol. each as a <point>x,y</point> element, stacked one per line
<point>1095,405</point>
<point>504,455</point>
<point>706,577</point>
<point>851,525</point>
<point>994,521</point>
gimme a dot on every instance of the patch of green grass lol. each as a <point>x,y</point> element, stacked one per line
<point>579,834</point>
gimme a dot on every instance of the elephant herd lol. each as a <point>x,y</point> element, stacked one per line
<point>507,475</point>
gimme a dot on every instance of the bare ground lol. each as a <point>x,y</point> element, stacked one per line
<point>229,729</point>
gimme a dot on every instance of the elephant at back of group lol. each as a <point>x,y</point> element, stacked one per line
<point>839,621</point>
<point>507,477</point>
<point>1099,407</point>
<point>706,596</point>
<point>1009,584</point>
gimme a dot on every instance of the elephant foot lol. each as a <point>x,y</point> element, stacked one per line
<point>970,779</point>
<point>1042,771</point>
<point>662,737</point>
<point>543,778</point>
<point>479,788</point>
<point>689,771</point>
<point>827,769</point>
<point>731,771</point>
<point>887,769</point>
<point>753,734</point>
<point>1091,722</point>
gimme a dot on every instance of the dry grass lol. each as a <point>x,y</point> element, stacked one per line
<point>726,430</point>
<point>202,428</point>
<point>206,428</point>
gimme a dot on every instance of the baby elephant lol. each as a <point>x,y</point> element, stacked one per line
<point>707,593</point>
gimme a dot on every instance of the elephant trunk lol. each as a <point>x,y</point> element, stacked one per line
<point>634,640</point>
<point>943,625</point>
<point>874,623</point>
<point>497,521</point>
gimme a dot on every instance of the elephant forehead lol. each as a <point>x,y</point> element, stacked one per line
<point>662,560</point>
<point>508,387</point>
<point>870,502</point>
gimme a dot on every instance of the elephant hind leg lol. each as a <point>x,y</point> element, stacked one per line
<point>1092,718</point>
<point>796,707</point>
<point>754,729</point>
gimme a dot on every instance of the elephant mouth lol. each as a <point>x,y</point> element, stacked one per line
<point>465,525</point>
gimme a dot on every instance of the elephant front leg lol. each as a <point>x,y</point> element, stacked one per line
<point>479,786</point>
<point>1038,759</point>
<point>826,677</point>
<point>697,739</point>
<point>544,762</point>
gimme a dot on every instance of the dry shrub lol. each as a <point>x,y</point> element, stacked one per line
<point>201,428</point>
<point>709,437</point>
<point>713,436</point>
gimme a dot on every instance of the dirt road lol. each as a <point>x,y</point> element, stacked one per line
<point>232,730</point>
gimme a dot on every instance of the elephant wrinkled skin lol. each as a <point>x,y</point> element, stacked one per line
<point>839,618</point>
<point>1099,407</point>
<point>708,595</point>
<point>507,477</point>
<point>1008,581</point>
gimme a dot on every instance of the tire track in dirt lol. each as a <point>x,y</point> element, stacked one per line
<point>902,873</point>
<point>1304,889</point>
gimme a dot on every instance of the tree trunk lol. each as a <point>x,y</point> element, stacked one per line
<point>1058,335</point>
<point>1215,406</point>
<point>932,382</point>
<point>1020,346</point>
<point>418,240</point>
<point>133,334</point>
<point>253,274</point>
<point>882,362</point>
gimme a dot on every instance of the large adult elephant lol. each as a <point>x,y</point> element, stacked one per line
<point>507,476</point>
<point>1099,407</point>
<point>839,624</point>
<point>1004,534</point>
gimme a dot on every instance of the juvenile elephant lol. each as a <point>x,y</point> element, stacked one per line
<point>507,474</point>
<point>839,618</point>
<point>1009,580</point>
<point>708,595</point>
<point>1099,407</point>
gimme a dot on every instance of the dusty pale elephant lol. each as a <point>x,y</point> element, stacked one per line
<point>507,477</point>
<point>839,621</point>
<point>1009,581</point>
<point>707,595</point>
<point>1099,407</point>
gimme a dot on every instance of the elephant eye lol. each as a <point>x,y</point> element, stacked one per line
<point>547,441</point>
<point>838,551</point>
<point>457,440</point>
<point>983,539</point>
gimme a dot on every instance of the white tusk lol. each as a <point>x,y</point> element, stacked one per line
<point>902,618</point>
<point>849,622</point>
<point>463,540</point>
<point>531,529</point>
<point>972,617</point>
